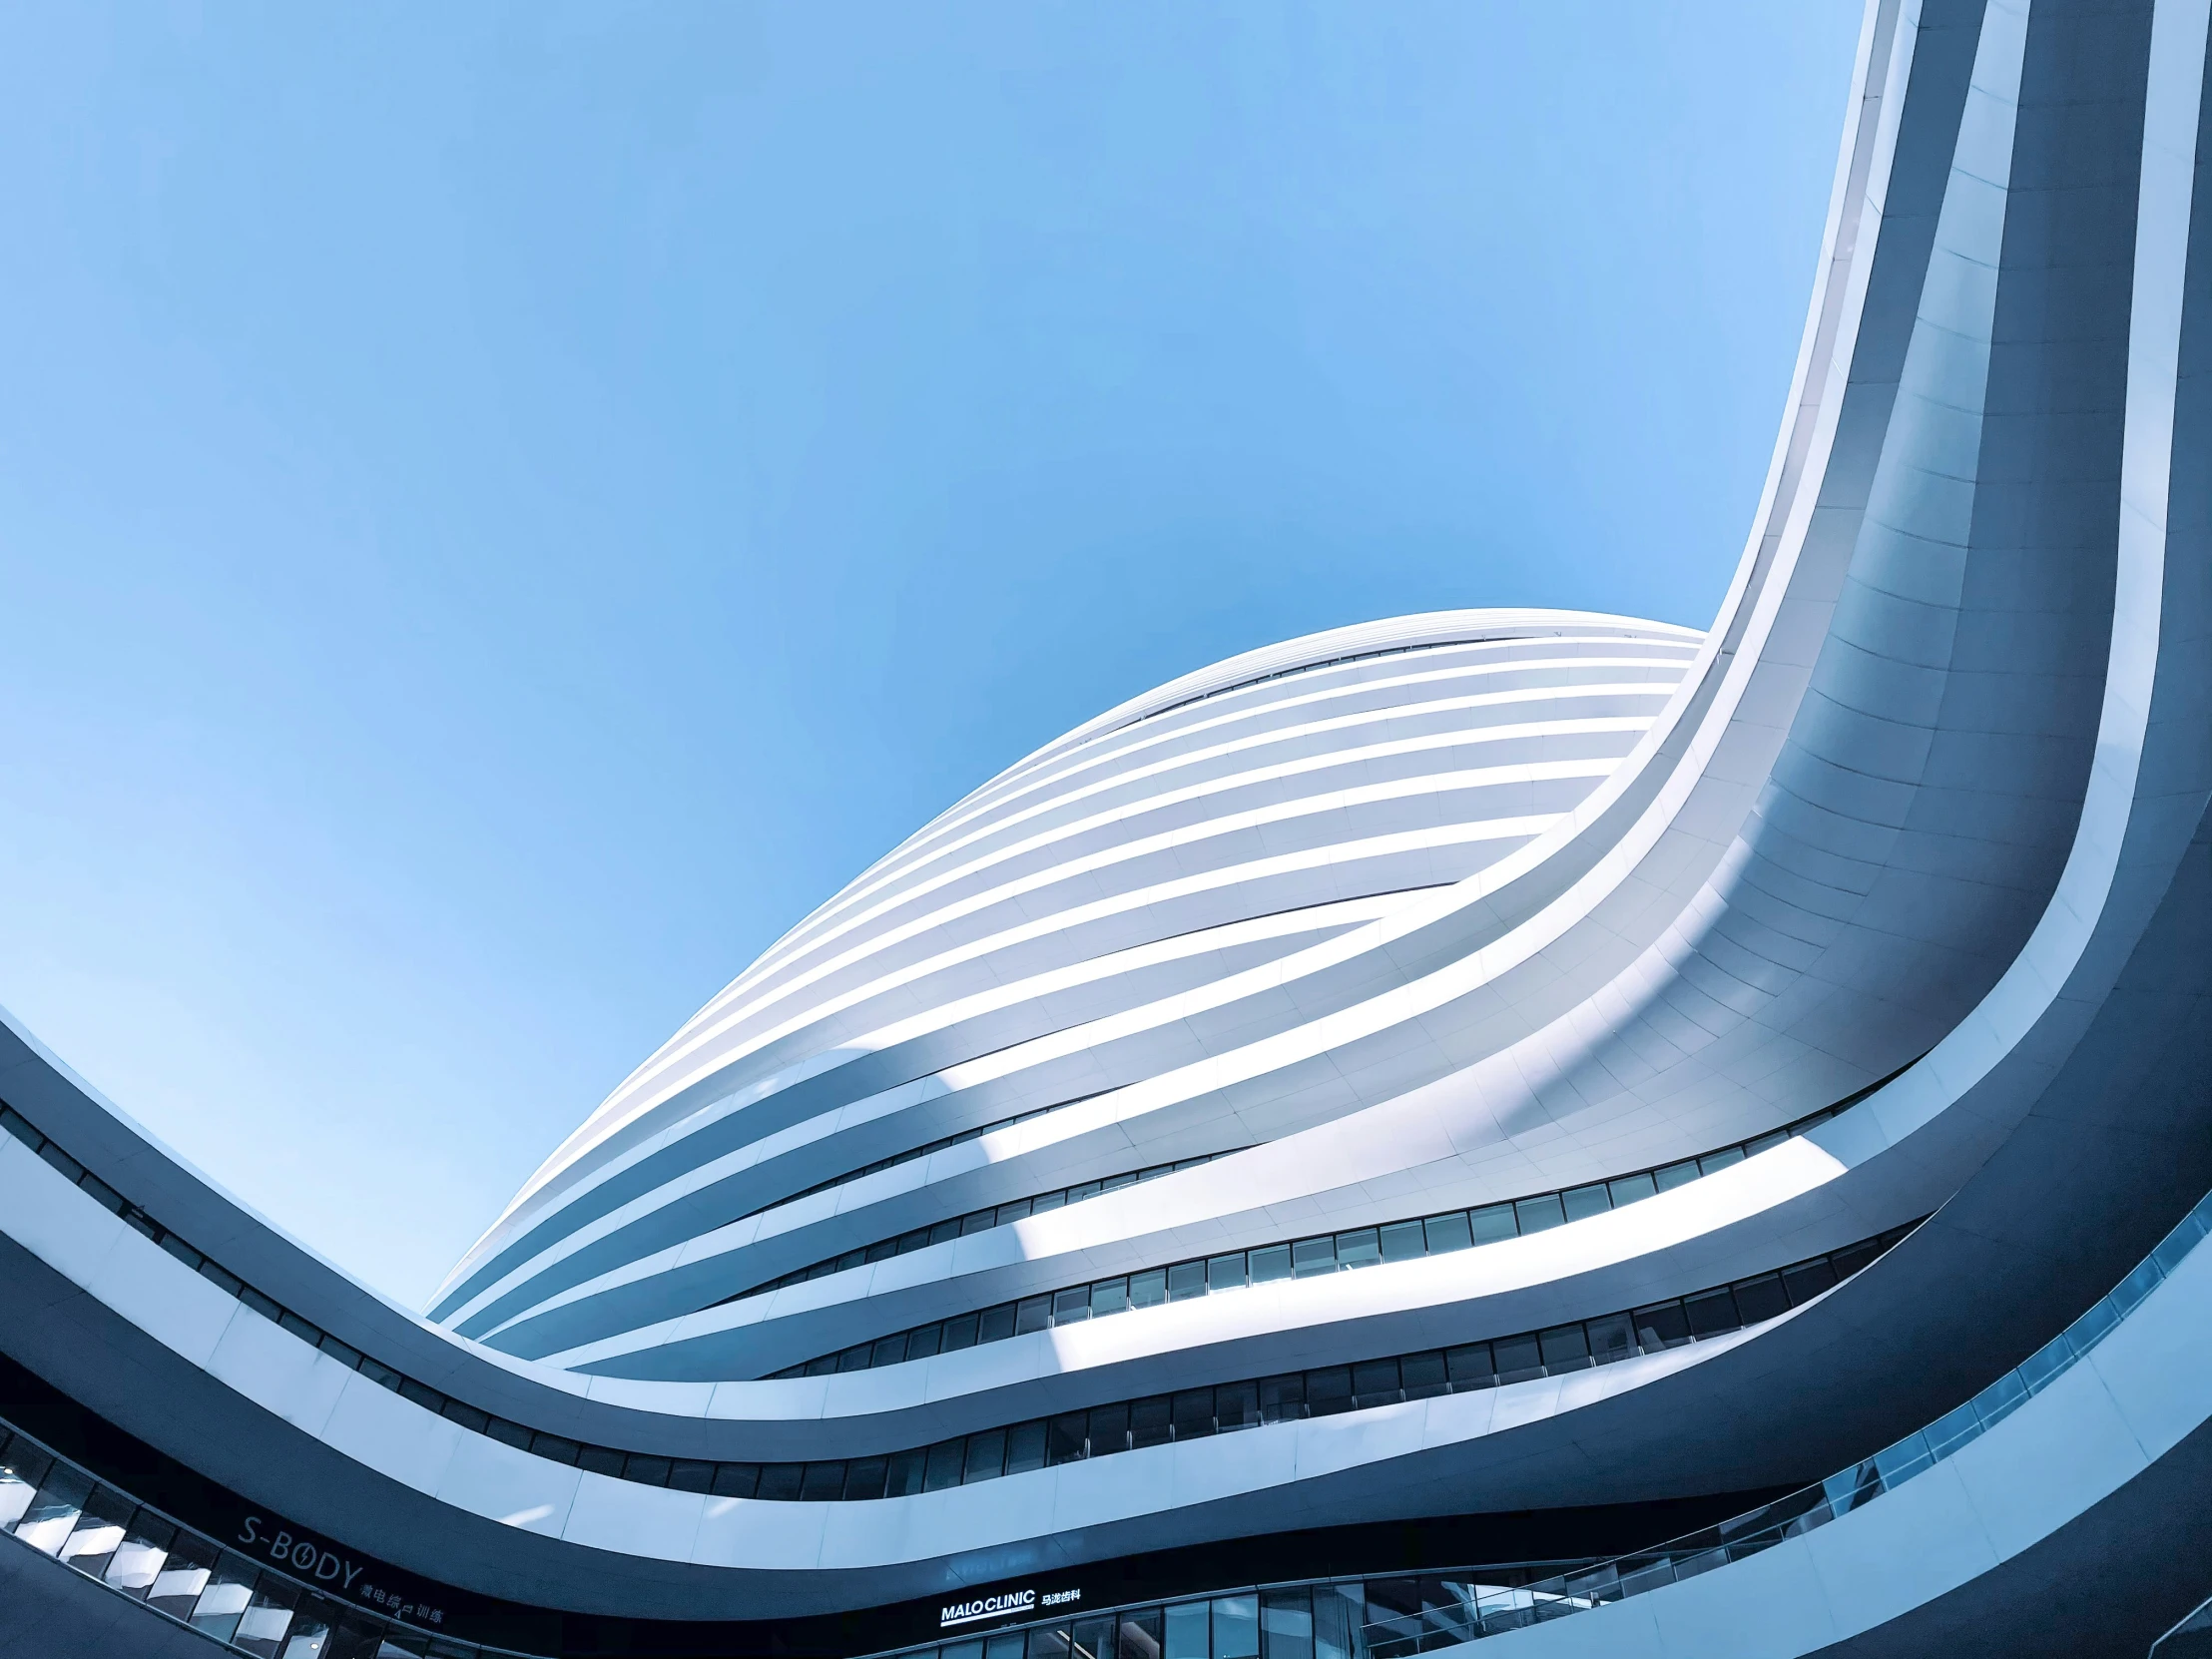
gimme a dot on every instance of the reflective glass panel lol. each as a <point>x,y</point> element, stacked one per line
<point>1287,1624</point>
<point>1237,1627</point>
<point>1493,1223</point>
<point>1137,1634</point>
<point>1189,1636</point>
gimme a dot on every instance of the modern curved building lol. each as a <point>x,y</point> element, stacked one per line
<point>1514,1127</point>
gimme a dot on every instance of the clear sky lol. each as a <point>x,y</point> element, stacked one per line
<point>504,508</point>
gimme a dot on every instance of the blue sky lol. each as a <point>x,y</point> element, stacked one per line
<point>503,509</point>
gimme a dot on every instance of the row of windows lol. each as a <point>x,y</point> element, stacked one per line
<point>606,1459</point>
<point>1627,642</point>
<point>53,1507</point>
<point>907,1157</point>
<point>975,1221</point>
<point>1299,1623</point>
<point>1358,1246</point>
<point>1376,1618</point>
<point>1031,1446</point>
<point>1196,1414</point>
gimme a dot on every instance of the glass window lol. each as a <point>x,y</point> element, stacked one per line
<point>1312,1256</point>
<point>986,1455</point>
<point>1148,1421</point>
<point>1226,1272</point>
<point>54,1506</point>
<point>1807,1280</point>
<point>1006,1645</point>
<point>1422,1375</point>
<point>1337,1614</point>
<point>1518,1358</point>
<point>1586,1200</point>
<point>908,1242</point>
<point>947,1458</point>
<point>1610,1337</point>
<point>905,1474</point>
<point>1492,1223</point>
<point>1471,1365</point>
<point>1772,1138</point>
<point>1049,1642</point>
<point>781,1480</point>
<point>1109,1429</point>
<point>99,1530</point>
<point>1847,1262</point>
<point>1237,1405</point>
<point>979,1222</point>
<point>857,1359</point>
<point>1565,1348</point>
<point>1675,1175</point>
<point>881,1251</point>
<point>888,1351</point>
<point>863,1478</point>
<point>1064,1438</point>
<point>312,1624</point>
<point>737,1479</point>
<point>1661,1326</point>
<point>1109,1296</point>
<point>1194,1414</point>
<point>1094,1638</point>
<point>1115,1183</point>
<point>923,1343</point>
<point>1082,1190</point>
<point>1403,1241</point>
<point>1447,1233</point>
<point>825,1366</point>
<point>1714,1162</point>
<point>944,1231</point>
<point>1137,1634</point>
<point>1537,1214</point>
<point>960,1332</point>
<point>1185,1279</point>
<point>1711,1313</point>
<point>1329,1390</point>
<point>1237,1627</point>
<point>183,1574</point>
<point>1271,1264</point>
<point>1631,1188</point>
<point>223,1599</point>
<point>1282,1399</point>
<point>646,1471</point>
<point>1357,1248</point>
<point>1034,1314</point>
<point>601,1459</point>
<point>1070,1305</point>
<point>1188,1635</point>
<point>822,1482</point>
<point>1025,1448</point>
<point>1148,1290</point>
<point>1048,1203</point>
<point>970,1649</point>
<point>1287,1624</point>
<point>555,1450</point>
<point>1762,1297</point>
<point>1016,1211</point>
<point>994,1325</point>
<point>1374,1383</point>
<point>138,1559</point>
